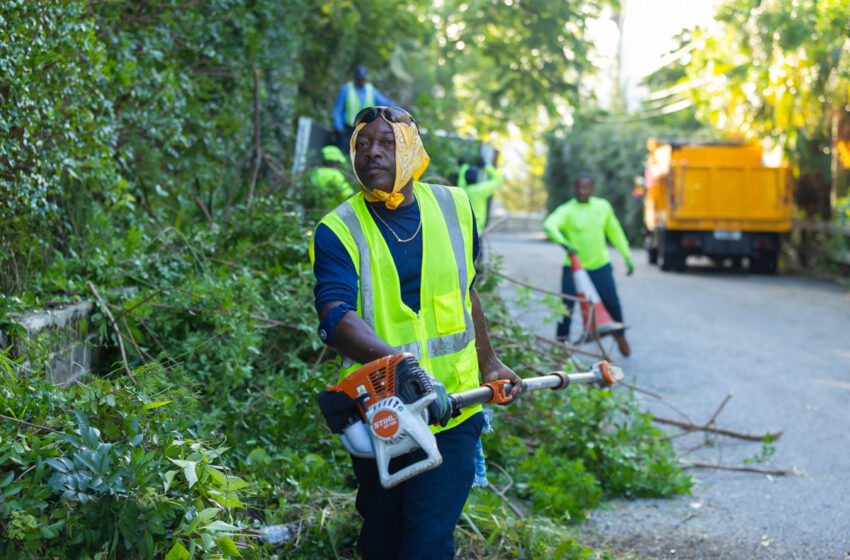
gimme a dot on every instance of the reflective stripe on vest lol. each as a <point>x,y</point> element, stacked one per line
<point>353,105</point>
<point>436,346</point>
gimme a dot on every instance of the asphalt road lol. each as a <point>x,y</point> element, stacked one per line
<point>780,346</point>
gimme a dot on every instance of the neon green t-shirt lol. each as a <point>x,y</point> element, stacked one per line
<point>584,227</point>
<point>478,194</point>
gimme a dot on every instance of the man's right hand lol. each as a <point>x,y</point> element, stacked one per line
<point>569,248</point>
<point>440,409</point>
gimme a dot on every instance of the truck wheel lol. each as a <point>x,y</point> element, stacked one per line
<point>764,263</point>
<point>673,261</point>
<point>652,255</point>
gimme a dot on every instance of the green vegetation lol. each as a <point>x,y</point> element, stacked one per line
<point>146,150</point>
<point>779,72</point>
<point>100,469</point>
<point>207,444</point>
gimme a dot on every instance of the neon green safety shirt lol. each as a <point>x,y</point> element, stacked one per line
<point>478,193</point>
<point>584,227</point>
<point>332,183</point>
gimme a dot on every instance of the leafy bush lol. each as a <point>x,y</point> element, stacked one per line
<point>54,132</point>
<point>106,470</point>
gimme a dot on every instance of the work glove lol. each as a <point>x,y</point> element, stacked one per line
<point>440,409</point>
<point>630,267</point>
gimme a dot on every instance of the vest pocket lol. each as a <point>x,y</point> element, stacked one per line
<point>466,370</point>
<point>448,312</point>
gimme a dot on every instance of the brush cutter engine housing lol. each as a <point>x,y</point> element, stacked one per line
<point>380,411</point>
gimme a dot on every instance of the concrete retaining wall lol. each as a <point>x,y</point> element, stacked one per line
<point>61,339</point>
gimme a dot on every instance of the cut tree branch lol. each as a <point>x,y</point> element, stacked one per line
<point>690,426</point>
<point>30,424</point>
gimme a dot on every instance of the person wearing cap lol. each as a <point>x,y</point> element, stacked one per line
<point>394,272</point>
<point>331,184</point>
<point>352,97</point>
<point>582,225</point>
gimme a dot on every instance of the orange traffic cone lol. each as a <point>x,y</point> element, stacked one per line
<point>595,318</point>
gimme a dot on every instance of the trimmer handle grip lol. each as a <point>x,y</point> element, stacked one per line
<point>501,391</point>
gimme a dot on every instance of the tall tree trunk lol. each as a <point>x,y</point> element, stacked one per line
<point>840,164</point>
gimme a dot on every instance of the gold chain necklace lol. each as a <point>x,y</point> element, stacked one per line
<point>397,238</point>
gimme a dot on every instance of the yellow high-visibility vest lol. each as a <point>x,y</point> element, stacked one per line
<point>442,335</point>
<point>352,102</point>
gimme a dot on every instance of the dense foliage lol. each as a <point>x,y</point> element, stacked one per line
<point>142,105</point>
<point>779,72</point>
<point>147,154</point>
<point>613,150</point>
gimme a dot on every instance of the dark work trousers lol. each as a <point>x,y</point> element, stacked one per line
<point>603,280</point>
<point>417,518</point>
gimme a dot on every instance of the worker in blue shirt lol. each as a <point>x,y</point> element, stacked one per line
<point>352,97</point>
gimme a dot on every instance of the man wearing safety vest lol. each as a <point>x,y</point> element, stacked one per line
<point>581,225</point>
<point>394,272</point>
<point>352,97</point>
<point>331,184</point>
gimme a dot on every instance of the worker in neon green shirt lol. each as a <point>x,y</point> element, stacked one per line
<point>582,226</point>
<point>332,186</point>
<point>479,191</point>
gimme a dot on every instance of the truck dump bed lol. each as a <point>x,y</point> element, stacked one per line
<point>701,198</point>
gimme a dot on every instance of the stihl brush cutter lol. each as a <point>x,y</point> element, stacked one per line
<point>381,409</point>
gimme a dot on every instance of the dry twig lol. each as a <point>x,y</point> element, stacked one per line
<point>257,149</point>
<point>719,408</point>
<point>535,288</point>
<point>30,424</point>
<point>778,472</point>
<point>115,329</point>
<point>203,208</point>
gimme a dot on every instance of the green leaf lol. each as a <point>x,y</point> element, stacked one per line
<point>8,480</point>
<point>208,513</point>
<point>220,527</point>
<point>188,470</point>
<point>169,479</point>
<point>228,547</point>
<point>152,405</point>
<point>178,552</point>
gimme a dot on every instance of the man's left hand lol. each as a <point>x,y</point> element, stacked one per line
<point>630,267</point>
<point>497,370</point>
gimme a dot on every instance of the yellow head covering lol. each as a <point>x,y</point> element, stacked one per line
<point>411,160</point>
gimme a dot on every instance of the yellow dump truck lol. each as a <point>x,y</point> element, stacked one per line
<point>717,200</point>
